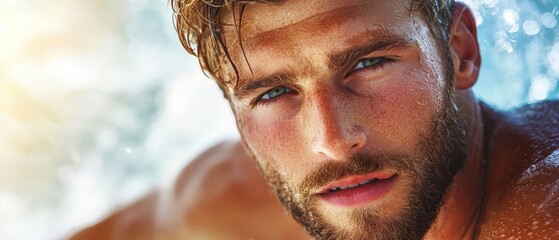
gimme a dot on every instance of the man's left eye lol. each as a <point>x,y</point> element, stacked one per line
<point>369,62</point>
<point>275,92</point>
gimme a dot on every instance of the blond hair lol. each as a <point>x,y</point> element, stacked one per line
<point>199,27</point>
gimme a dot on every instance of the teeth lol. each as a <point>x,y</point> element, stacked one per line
<point>365,182</point>
<point>352,186</point>
<point>368,181</point>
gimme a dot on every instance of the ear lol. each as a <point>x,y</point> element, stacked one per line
<point>464,47</point>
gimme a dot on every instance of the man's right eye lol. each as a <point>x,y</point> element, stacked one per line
<point>274,93</point>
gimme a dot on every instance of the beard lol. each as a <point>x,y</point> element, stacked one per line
<point>437,157</point>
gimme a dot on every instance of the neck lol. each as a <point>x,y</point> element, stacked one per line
<point>460,215</point>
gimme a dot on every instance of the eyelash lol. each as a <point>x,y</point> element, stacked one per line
<point>381,64</point>
<point>260,101</point>
<point>383,61</point>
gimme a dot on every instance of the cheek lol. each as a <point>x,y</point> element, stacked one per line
<point>405,107</point>
<point>274,140</point>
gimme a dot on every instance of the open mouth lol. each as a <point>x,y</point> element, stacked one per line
<point>372,180</point>
<point>355,193</point>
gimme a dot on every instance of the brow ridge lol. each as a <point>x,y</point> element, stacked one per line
<point>345,57</point>
<point>335,61</point>
<point>283,77</point>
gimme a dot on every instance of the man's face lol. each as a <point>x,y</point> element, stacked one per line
<point>348,114</point>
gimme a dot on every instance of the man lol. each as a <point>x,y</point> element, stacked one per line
<point>359,115</point>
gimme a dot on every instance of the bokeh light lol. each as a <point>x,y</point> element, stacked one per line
<point>99,102</point>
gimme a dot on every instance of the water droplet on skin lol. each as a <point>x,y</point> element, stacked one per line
<point>531,170</point>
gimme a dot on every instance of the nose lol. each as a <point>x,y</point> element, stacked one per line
<point>335,123</point>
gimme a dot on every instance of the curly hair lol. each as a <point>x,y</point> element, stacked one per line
<point>200,28</point>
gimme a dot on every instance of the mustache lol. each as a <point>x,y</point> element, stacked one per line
<point>357,164</point>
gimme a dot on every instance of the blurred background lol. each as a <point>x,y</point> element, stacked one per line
<point>99,103</point>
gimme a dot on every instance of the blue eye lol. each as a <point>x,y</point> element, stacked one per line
<point>370,62</point>
<point>275,92</point>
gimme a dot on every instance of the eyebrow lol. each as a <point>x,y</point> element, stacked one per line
<point>335,62</point>
<point>343,58</point>
<point>283,77</point>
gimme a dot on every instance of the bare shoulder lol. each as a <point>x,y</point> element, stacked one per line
<point>221,177</point>
<point>140,220</point>
<point>524,185</point>
<point>219,195</point>
<point>135,221</point>
<point>225,197</point>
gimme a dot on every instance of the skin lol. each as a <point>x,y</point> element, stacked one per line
<point>512,167</point>
<point>219,195</point>
<point>327,112</point>
<point>383,110</point>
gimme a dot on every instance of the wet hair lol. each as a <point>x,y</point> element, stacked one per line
<point>199,25</point>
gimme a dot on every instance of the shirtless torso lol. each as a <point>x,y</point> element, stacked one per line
<point>523,175</point>
<point>221,195</point>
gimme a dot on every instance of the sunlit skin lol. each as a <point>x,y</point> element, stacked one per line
<point>220,195</point>
<point>333,109</point>
<point>300,105</point>
<point>314,112</point>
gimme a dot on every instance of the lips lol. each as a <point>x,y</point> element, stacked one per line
<point>357,190</point>
<point>352,186</point>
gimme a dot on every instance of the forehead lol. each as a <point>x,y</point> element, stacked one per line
<point>301,14</point>
<point>281,29</point>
